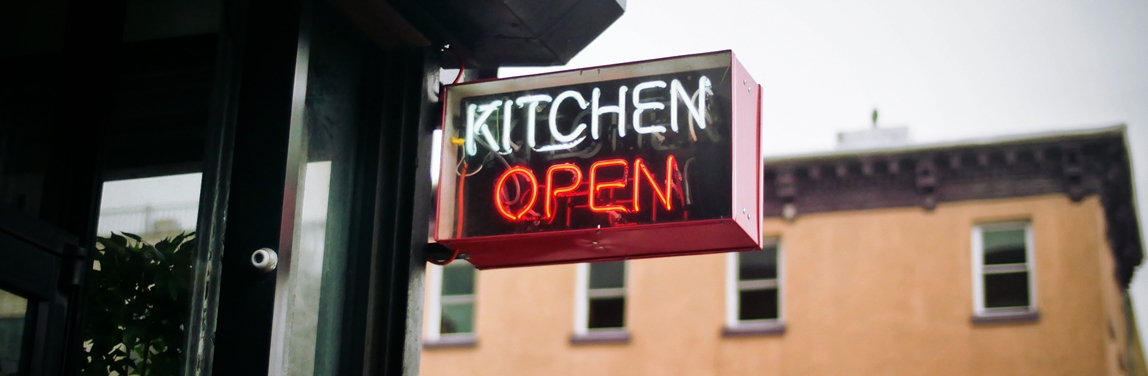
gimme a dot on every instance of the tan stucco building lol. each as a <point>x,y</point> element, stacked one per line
<point>1008,257</point>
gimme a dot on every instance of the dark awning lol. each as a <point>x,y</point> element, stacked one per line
<point>489,33</point>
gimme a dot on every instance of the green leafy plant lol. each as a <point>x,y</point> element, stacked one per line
<point>138,306</point>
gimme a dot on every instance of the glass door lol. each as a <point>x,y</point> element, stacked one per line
<point>145,191</point>
<point>13,328</point>
<point>36,263</point>
<point>328,171</point>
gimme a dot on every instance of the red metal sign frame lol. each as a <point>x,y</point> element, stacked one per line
<point>740,230</point>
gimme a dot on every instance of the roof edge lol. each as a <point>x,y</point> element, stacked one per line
<point>1076,163</point>
<point>1120,130</point>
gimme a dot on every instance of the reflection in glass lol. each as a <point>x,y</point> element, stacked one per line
<point>13,309</point>
<point>457,318</point>
<point>458,279</point>
<point>607,274</point>
<point>1004,246</point>
<point>153,207</point>
<point>306,268</point>
<point>307,330</point>
<point>758,264</point>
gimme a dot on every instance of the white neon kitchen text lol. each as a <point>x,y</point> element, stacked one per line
<point>478,116</point>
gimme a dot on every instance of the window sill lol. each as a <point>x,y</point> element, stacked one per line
<point>1004,317</point>
<point>754,329</point>
<point>618,336</point>
<point>452,341</point>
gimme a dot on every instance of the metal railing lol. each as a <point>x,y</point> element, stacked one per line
<point>149,219</point>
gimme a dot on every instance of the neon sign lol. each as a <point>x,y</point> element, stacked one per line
<point>601,152</point>
<point>595,198</point>
<point>479,115</point>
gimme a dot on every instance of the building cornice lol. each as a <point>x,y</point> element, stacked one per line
<point>1077,164</point>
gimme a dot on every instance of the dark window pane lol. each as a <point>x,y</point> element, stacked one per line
<point>13,308</point>
<point>1006,290</point>
<point>1004,247</point>
<point>757,264</point>
<point>757,304</point>
<point>457,318</point>
<point>607,313</point>
<point>608,275</point>
<point>458,279</point>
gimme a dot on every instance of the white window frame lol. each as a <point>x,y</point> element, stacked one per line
<point>434,301</point>
<point>979,267</point>
<point>733,287</point>
<point>582,295</point>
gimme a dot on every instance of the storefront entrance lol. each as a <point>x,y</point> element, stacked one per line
<point>247,131</point>
<point>156,157</point>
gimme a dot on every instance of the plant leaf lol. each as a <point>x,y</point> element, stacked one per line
<point>119,240</point>
<point>136,303</point>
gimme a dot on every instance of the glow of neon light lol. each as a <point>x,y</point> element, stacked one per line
<point>500,205</point>
<point>699,112</point>
<point>505,134</point>
<point>471,148</point>
<point>563,146</point>
<point>531,102</point>
<point>641,170</point>
<point>481,127</point>
<point>596,111</point>
<point>552,192</point>
<point>639,107</point>
<point>558,136</point>
<point>595,186</point>
<point>436,157</point>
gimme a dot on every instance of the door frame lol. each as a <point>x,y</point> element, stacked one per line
<point>44,265</point>
<point>258,107</point>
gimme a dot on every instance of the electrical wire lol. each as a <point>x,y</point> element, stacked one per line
<point>686,181</point>
<point>460,163</point>
<point>462,65</point>
<point>453,256</point>
<point>694,99</point>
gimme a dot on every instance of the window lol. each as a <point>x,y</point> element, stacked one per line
<point>13,322</point>
<point>1003,281</point>
<point>155,214</point>
<point>753,291</point>
<point>601,305</point>
<point>450,305</point>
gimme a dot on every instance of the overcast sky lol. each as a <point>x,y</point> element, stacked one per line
<point>949,70</point>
